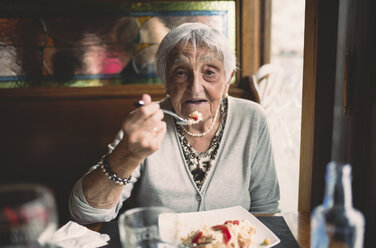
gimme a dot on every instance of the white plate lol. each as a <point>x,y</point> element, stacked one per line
<point>195,220</point>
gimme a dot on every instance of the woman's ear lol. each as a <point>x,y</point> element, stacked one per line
<point>231,76</point>
<point>227,86</point>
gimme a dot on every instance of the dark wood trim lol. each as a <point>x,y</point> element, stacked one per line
<point>318,99</point>
<point>82,92</point>
<point>266,31</point>
<point>238,24</point>
<point>250,37</point>
<point>119,91</point>
<point>324,99</point>
<point>308,105</point>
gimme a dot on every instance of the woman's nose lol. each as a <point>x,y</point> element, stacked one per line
<point>196,84</point>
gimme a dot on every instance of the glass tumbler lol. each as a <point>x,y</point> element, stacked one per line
<point>148,227</point>
<point>27,213</point>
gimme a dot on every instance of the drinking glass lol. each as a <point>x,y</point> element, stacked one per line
<point>27,213</point>
<point>148,227</point>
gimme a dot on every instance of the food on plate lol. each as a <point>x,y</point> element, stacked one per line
<point>232,233</point>
<point>266,241</point>
<point>194,117</point>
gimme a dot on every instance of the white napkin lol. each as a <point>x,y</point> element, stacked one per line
<point>73,235</point>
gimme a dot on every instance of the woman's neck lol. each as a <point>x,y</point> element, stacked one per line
<point>203,125</point>
<point>202,144</point>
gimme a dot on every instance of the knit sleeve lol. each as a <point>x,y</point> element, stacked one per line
<point>80,209</point>
<point>264,187</point>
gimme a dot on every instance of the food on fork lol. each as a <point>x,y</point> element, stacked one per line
<point>194,117</point>
<point>232,233</point>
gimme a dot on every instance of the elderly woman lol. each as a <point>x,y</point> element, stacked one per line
<point>223,160</point>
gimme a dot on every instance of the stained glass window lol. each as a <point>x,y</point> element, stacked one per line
<point>95,45</point>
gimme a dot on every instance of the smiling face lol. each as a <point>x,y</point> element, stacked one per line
<point>196,80</point>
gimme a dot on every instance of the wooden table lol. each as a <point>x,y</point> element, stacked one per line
<point>299,224</point>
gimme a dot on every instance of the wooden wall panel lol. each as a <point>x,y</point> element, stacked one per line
<point>52,136</point>
<point>53,140</point>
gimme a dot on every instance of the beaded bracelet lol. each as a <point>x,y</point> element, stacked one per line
<point>111,175</point>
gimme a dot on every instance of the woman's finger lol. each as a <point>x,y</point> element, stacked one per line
<point>159,127</point>
<point>146,98</point>
<point>157,116</point>
<point>144,112</point>
<point>159,134</point>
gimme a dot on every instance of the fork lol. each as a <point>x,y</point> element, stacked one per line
<point>194,244</point>
<point>180,120</point>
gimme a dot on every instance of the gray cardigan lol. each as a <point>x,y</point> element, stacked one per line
<point>243,172</point>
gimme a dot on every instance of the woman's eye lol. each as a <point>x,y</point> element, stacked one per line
<point>209,73</point>
<point>180,73</point>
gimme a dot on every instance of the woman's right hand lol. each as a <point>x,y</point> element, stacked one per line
<point>144,130</point>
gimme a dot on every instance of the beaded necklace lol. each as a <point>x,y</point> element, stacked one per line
<point>207,131</point>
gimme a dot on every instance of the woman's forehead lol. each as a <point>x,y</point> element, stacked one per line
<point>185,51</point>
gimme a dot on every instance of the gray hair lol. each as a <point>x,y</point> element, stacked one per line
<point>197,34</point>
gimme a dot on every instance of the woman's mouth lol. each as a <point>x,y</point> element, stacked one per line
<point>195,101</point>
